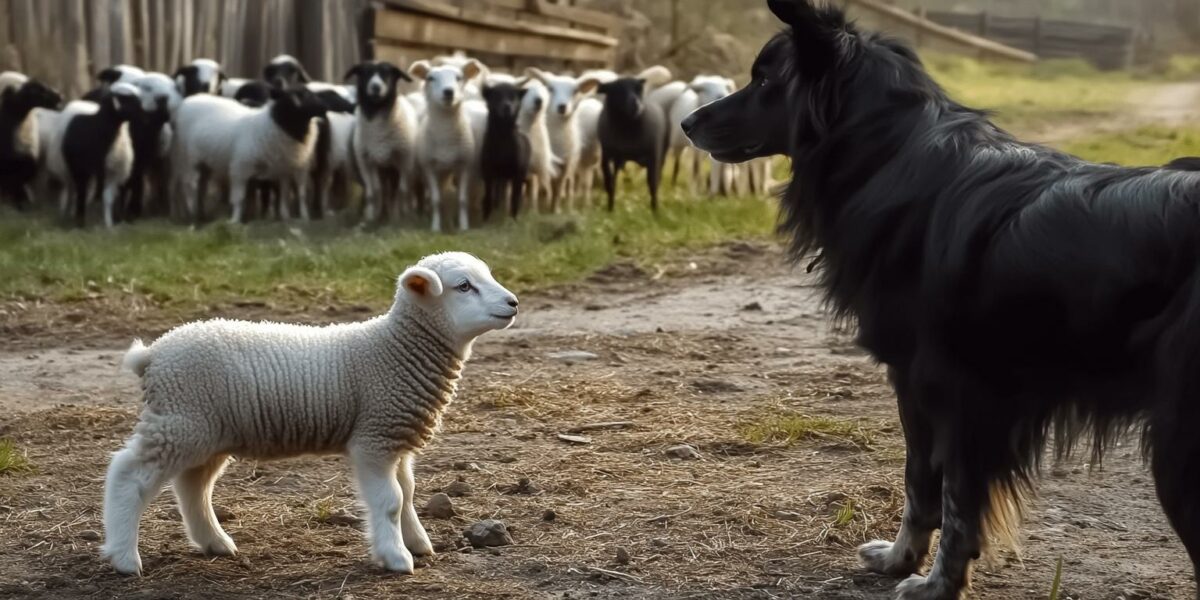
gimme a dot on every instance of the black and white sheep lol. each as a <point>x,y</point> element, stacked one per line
<point>237,144</point>
<point>374,391</point>
<point>385,136</point>
<point>505,150</point>
<point>19,136</point>
<point>631,129</point>
<point>201,76</point>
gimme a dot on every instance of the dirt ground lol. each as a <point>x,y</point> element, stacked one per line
<point>694,352</point>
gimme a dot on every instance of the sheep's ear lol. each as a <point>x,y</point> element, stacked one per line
<point>589,85</point>
<point>400,73</point>
<point>538,74</point>
<point>420,69</point>
<point>421,282</point>
<point>656,75</point>
<point>304,78</point>
<point>108,75</point>
<point>472,69</point>
<point>352,73</point>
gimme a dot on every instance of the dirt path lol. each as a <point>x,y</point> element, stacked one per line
<point>699,356</point>
<point>1169,104</point>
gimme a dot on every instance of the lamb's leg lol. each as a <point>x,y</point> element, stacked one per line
<point>715,176</point>
<point>193,490</point>
<point>300,190</point>
<point>237,198</point>
<point>134,480</point>
<point>607,167</point>
<point>464,199</point>
<point>415,538</point>
<point>489,198</point>
<point>435,200</point>
<point>370,181</point>
<point>376,477</point>
<point>110,203</point>
<point>518,193</point>
<point>653,177</point>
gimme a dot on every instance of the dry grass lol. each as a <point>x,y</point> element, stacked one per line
<point>790,429</point>
<point>12,460</point>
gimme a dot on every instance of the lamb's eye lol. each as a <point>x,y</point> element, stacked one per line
<point>464,287</point>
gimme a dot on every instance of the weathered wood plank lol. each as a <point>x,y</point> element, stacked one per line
<point>437,32</point>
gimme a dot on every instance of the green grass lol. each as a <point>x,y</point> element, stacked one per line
<point>1148,145</point>
<point>12,461</point>
<point>793,428</point>
<point>1026,98</point>
<point>174,266</point>
<point>1056,586</point>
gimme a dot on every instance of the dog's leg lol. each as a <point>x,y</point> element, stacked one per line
<point>1175,461</point>
<point>923,493</point>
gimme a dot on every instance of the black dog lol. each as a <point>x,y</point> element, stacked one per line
<point>505,151</point>
<point>1012,290</point>
<point>630,129</point>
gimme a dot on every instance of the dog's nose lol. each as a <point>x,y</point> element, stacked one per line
<point>688,123</point>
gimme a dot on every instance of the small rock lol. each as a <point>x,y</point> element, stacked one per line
<point>494,551</point>
<point>465,466</point>
<point>526,487</point>
<point>622,556</point>
<point>658,543</point>
<point>753,307</point>
<point>715,386</point>
<point>89,535</point>
<point>343,519</point>
<point>488,533</point>
<point>573,356</point>
<point>659,330</point>
<point>224,514</point>
<point>458,489</point>
<point>549,516</point>
<point>440,507</point>
<point>683,452</point>
<point>1058,472</point>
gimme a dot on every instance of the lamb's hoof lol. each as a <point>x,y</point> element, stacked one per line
<point>421,547</point>
<point>125,563</point>
<point>922,588</point>
<point>876,557</point>
<point>220,547</point>
<point>397,560</point>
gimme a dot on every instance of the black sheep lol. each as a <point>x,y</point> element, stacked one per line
<point>18,137</point>
<point>505,151</point>
<point>631,129</point>
<point>145,132</point>
<point>88,141</point>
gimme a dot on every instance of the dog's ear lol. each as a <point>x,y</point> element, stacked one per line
<point>814,28</point>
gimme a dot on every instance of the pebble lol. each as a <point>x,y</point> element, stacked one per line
<point>458,489</point>
<point>488,533</point>
<point>89,535</point>
<point>787,515</point>
<point>683,452</point>
<point>440,507</point>
<point>549,516</point>
<point>622,556</point>
<point>573,356</point>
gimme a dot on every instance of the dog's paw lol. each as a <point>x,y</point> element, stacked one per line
<point>878,556</point>
<point>923,588</point>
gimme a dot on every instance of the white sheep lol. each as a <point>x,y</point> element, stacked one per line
<point>12,79</point>
<point>446,143</point>
<point>385,136</point>
<point>201,76</point>
<point>338,160</point>
<point>587,168</point>
<point>703,89</point>
<point>373,390</point>
<point>563,129</point>
<point>543,164</point>
<point>235,143</point>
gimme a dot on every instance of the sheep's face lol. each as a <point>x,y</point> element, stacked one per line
<point>32,94</point>
<point>446,85</point>
<point>535,100</point>
<point>203,76</point>
<point>377,81</point>
<point>285,72</point>
<point>503,102</point>
<point>157,90</point>
<point>460,289</point>
<point>563,93</point>
<point>624,97</point>
<point>124,100</point>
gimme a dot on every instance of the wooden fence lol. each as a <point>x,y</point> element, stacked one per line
<point>1105,46</point>
<point>926,34</point>
<point>65,42</point>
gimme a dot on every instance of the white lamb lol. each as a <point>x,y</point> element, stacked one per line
<point>235,143</point>
<point>563,129</point>
<point>704,89</point>
<point>374,391</point>
<point>446,143</point>
<point>543,164</point>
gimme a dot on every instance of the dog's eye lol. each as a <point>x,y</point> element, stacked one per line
<point>762,82</point>
<point>465,287</point>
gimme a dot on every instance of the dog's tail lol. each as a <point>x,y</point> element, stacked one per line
<point>137,358</point>
<point>1005,511</point>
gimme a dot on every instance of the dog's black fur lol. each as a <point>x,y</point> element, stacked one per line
<point>631,130</point>
<point>1013,291</point>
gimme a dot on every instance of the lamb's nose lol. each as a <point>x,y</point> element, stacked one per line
<point>562,109</point>
<point>513,303</point>
<point>448,95</point>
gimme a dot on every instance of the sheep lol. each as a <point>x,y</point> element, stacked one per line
<point>19,135</point>
<point>543,164</point>
<point>631,129</point>
<point>237,144</point>
<point>446,141</point>
<point>334,157</point>
<point>201,76</point>
<point>587,121</point>
<point>93,146</point>
<point>284,72</point>
<point>505,149</point>
<point>374,391</point>
<point>562,128</point>
<point>702,90</point>
<point>255,94</point>
<point>385,135</point>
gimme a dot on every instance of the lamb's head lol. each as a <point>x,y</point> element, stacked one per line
<point>377,82</point>
<point>202,76</point>
<point>293,111</point>
<point>284,71</point>
<point>625,97</point>
<point>533,105</point>
<point>503,102</point>
<point>456,292</point>
<point>157,90</point>
<point>122,100</point>
<point>446,85</point>
<point>30,95</point>
<point>564,92</point>
<point>710,88</point>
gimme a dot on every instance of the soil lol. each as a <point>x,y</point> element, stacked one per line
<point>695,352</point>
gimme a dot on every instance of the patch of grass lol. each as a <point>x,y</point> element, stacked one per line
<point>1057,585</point>
<point>792,428</point>
<point>175,267</point>
<point>12,460</point>
<point>322,510</point>
<point>845,514</point>
<point>1150,145</point>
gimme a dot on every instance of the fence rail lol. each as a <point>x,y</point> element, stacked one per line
<point>1105,46</point>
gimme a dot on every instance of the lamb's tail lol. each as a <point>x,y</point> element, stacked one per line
<point>137,358</point>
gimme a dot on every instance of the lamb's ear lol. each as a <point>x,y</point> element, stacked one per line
<point>657,75</point>
<point>400,74</point>
<point>589,85</point>
<point>538,74</point>
<point>472,69</point>
<point>421,282</point>
<point>304,78</point>
<point>420,69</point>
<point>109,75</point>
<point>352,73</point>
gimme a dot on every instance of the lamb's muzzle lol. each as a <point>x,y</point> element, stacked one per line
<point>373,390</point>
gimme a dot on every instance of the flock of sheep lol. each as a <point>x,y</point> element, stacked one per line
<point>152,143</point>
